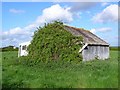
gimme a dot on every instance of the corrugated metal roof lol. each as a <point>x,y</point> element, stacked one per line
<point>88,37</point>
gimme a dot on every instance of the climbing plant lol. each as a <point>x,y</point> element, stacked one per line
<point>53,43</point>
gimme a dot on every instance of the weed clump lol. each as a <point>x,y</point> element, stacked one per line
<point>53,43</point>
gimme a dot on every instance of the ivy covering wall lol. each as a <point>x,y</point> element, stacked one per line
<point>52,42</point>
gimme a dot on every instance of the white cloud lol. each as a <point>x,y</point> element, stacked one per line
<point>16,11</point>
<point>16,31</point>
<point>18,34</point>
<point>109,14</point>
<point>104,29</point>
<point>31,27</point>
<point>104,4</point>
<point>93,30</point>
<point>55,12</point>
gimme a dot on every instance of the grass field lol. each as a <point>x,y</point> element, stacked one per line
<point>93,74</point>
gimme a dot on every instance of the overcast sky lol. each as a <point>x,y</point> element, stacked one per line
<point>20,19</point>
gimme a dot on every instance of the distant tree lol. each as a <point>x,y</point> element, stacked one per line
<point>9,48</point>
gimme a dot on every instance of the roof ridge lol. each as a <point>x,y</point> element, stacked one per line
<point>94,39</point>
<point>77,28</point>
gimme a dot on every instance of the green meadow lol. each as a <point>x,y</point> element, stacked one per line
<point>92,74</point>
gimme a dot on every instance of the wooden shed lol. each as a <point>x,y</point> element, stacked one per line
<point>93,46</point>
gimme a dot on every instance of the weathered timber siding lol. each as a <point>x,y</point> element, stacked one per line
<point>92,52</point>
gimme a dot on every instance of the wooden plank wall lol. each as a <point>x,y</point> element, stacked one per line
<point>93,52</point>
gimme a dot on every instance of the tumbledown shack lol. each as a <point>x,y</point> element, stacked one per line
<point>93,46</point>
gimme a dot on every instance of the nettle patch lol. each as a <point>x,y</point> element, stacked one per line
<point>53,43</point>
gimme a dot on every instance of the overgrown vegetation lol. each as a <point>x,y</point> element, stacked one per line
<point>92,74</point>
<point>52,42</point>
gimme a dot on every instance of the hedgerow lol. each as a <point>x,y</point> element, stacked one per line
<point>8,48</point>
<point>53,43</point>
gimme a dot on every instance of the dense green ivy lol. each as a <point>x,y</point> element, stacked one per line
<point>53,43</point>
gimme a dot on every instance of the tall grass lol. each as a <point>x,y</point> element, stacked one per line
<point>93,74</point>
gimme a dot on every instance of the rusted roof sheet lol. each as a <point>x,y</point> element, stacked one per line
<point>88,37</point>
